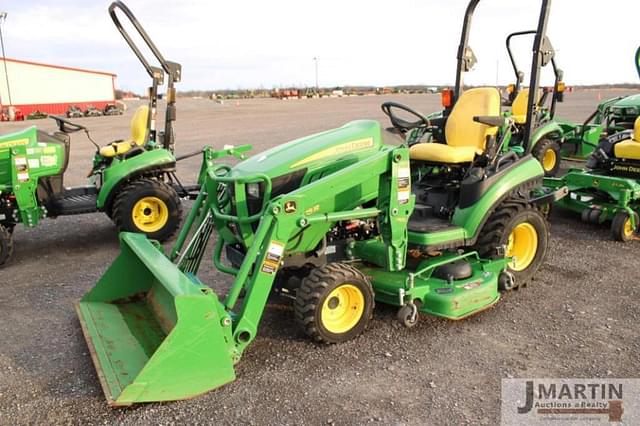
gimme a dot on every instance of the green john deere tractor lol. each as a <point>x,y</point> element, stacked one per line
<point>132,180</point>
<point>611,116</point>
<point>609,188</point>
<point>547,134</point>
<point>335,221</point>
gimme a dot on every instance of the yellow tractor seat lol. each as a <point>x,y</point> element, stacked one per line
<point>441,153</point>
<point>465,138</point>
<point>519,105</point>
<point>630,148</point>
<point>138,135</point>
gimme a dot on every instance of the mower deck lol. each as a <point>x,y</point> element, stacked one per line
<point>448,298</point>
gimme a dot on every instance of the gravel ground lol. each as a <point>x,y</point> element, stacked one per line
<point>577,319</point>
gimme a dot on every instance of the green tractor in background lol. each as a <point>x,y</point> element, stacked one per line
<point>545,136</point>
<point>547,140</point>
<point>609,188</point>
<point>611,116</point>
<point>335,221</point>
<point>132,180</point>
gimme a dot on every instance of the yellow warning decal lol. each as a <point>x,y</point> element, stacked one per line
<point>272,260</point>
<point>343,148</point>
<point>11,144</point>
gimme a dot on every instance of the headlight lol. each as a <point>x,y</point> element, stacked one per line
<point>631,111</point>
<point>253,190</point>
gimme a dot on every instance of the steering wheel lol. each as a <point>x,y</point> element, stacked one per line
<point>67,126</point>
<point>400,123</point>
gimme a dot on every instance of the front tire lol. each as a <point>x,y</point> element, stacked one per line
<point>148,206</point>
<point>6,245</point>
<point>621,229</point>
<point>547,152</point>
<point>334,303</point>
<point>524,231</point>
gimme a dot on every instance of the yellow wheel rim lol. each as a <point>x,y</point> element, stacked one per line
<point>549,160</point>
<point>342,309</point>
<point>150,214</point>
<point>522,246</point>
<point>628,229</point>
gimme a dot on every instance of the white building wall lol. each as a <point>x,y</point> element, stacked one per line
<point>39,84</point>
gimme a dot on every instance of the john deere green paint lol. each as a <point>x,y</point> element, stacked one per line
<point>609,188</point>
<point>334,221</point>
<point>132,180</point>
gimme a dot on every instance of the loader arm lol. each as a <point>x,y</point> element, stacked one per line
<point>148,315</point>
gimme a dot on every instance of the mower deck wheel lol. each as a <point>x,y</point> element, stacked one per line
<point>334,303</point>
<point>6,245</point>
<point>621,229</point>
<point>408,315</point>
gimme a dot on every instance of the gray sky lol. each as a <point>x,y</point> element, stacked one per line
<point>251,43</point>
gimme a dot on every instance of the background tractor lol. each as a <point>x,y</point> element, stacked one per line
<point>547,140</point>
<point>544,135</point>
<point>611,116</point>
<point>74,112</point>
<point>609,188</point>
<point>93,112</point>
<point>132,180</point>
<point>335,221</point>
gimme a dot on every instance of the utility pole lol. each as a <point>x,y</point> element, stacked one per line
<point>3,18</point>
<point>315,58</point>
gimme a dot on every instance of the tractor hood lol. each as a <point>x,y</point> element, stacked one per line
<point>342,146</point>
<point>629,101</point>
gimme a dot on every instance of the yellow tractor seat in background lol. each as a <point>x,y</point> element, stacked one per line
<point>138,135</point>
<point>519,105</point>
<point>630,148</point>
<point>465,138</point>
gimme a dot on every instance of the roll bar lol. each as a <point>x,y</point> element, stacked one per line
<point>172,69</point>
<point>542,54</point>
<point>638,61</point>
<point>519,74</point>
<point>557,72</point>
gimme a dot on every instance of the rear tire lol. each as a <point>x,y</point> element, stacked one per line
<point>148,206</point>
<point>621,229</point>
<point>6,245</point>
<point>334,303</point>
<point>524,231</point>
<point>547,152</point>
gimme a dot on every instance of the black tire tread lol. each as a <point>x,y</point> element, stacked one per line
<point>6,245</point>
<point>617,226</point>
<point>310,293</point>
<point>493,231</point>
<point>134,186</point>
<point>539,150</point>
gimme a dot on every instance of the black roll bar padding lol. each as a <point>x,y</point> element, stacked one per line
<point>127,12</point>
<point>638,61</point>
<point>173,70</point>
<point>464,40</point>
<point>517,72</point>
<point>535,71</point>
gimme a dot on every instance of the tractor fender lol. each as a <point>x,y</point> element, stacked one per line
<point>122,171</point>
<point>526,172</point>
<point>549,129</point>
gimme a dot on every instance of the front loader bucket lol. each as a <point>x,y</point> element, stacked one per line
<point>154,333</point>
